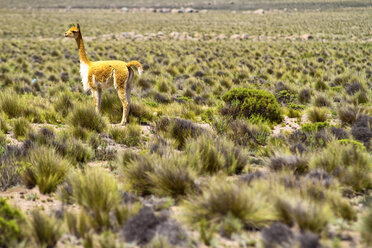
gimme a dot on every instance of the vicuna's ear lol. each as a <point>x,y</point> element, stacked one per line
<point>78,26</point>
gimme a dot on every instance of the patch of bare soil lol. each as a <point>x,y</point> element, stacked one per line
<point>29,199</point>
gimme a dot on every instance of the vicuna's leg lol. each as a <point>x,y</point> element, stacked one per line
<point>123,99</point>
<point>99,99</point>
<point>124,95</point>
<point>95,98</point>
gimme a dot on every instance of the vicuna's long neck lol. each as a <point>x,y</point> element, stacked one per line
<point>82,54</point>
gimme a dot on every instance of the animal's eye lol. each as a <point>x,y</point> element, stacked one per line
<point>74,31</point>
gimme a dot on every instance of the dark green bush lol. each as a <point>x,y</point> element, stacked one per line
<point>10,219</point>
<point>251,102</point>
<point>314,127</point>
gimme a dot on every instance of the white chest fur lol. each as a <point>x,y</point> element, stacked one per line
<point>84,69</point>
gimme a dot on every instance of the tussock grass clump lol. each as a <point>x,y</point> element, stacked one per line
<point>251,102</point>
<point>46,169</point>
<point>321,101</point>
<point>221,199</point>
<point>366,227</point>
<point>350,164</point>
<point>141,112</point>
<point>111,106</point>
<point>43,230</point>
<point>97,192</point>
<point>87,117</point>
<point>136,174</point>
<point>304,96</point>
<point>362,130</point>
<point>20,127</point>
<point>316,114</point>
<point>297,164</point>
<point>129,135</point>
<point>64,104</point>
<point>11,104</point>
<point>208,155</point>
<point>248,134</point>
<point>4,127</point>
<point>9,172</point>
<point>178,129</point>
<point>172,177</point>
<point>77,152</point>
<point>10,219</point>
<point>348,115</point>
<point>308,215</point>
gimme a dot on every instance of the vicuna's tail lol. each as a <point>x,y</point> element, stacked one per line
<point>136,64</point>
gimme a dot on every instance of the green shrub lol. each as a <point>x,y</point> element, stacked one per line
<point>314,127</point>
<point>172,177</point>
<point>20,127</point>
<point>350,164</point>
<point>87,117</point>
<point>209,155</point>
<point>316,114</point>
<point>250,102</point>
<point>96,190</point>
<point>129,135</point>
<point>357,144</point>
<point>10,218</point>
<point>47,169</point>
<point>43,230</point>
<point>222,199</point>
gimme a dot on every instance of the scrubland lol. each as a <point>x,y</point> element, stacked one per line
<point>245,130</point>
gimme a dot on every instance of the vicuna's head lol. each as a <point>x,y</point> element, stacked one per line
<point>73,31</point>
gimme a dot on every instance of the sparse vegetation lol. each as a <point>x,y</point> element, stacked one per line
<point>252,127</point>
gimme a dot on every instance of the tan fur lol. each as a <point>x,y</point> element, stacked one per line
<point>105,74</point>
